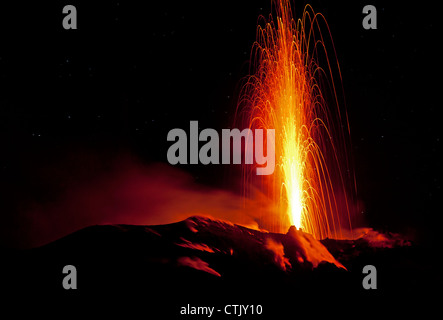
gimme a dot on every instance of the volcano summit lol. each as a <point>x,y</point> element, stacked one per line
<point>213,263</point>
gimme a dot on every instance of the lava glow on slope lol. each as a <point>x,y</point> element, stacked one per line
<point>290,92</point>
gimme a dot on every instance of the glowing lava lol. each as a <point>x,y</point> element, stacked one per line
<point>285,93</point>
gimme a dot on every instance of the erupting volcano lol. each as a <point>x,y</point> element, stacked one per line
<point>156,241</point>
<point>289,91</point>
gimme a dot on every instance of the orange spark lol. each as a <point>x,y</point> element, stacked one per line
<point>285,92</point>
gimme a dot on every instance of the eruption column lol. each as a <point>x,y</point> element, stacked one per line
<point>284,92</point>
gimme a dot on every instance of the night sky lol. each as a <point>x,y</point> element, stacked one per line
<point>75,104</point>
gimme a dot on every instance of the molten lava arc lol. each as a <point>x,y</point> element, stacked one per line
<point>290,92</point>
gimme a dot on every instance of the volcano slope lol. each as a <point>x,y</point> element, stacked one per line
<point>158,270</point>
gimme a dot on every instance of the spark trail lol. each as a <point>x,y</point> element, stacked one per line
<point>290,92</point>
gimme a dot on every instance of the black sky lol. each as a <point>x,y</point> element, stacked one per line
<point>134,70</point>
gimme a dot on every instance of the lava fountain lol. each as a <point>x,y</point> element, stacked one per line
<point>289,91</point>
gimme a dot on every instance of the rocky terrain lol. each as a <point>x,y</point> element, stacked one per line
<point>157,270</point>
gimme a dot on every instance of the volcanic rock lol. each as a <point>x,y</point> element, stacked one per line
<point>208,262</point>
